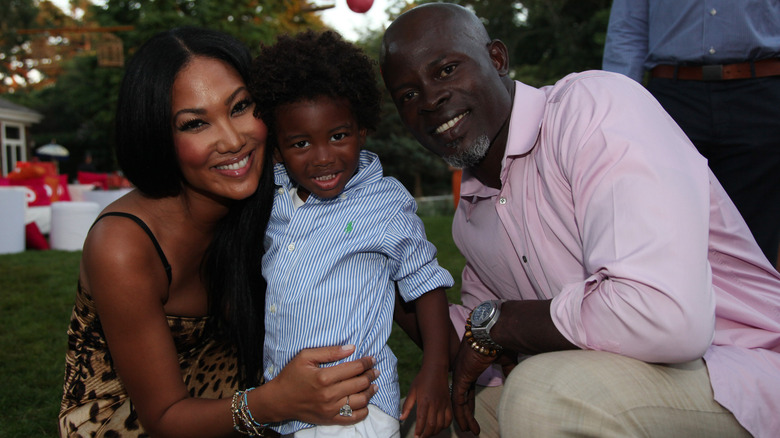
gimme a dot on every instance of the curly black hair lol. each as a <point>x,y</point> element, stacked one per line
<point>313,64</point>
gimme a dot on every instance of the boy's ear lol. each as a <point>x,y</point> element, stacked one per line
<point>278,155</point>
<point>362,137</point>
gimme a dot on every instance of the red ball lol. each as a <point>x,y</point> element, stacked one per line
<point>360,6</point>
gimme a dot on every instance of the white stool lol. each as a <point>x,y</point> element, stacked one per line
<point>104,197</point>
<point>12,231</point>
<point>70,222</point>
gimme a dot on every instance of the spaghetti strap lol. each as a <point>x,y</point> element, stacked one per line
<point>146,229</point>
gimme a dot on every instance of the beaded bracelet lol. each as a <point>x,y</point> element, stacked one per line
<point>486,350</point>
<point>243,421</point>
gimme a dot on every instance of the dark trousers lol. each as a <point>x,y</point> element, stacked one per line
<point>735,124</point>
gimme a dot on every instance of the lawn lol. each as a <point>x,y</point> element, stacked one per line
<point>36,295</point>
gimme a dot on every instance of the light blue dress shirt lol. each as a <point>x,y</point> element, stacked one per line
<point>331,267</point>
<point>646,33</point>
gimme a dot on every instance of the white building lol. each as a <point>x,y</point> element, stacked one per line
<point>15,123</point>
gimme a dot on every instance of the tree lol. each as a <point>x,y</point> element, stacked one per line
<point>24,55</point>
<point>547,39</point>
<point>79,100</point>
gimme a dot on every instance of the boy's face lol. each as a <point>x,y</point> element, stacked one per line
<point>319,144</point>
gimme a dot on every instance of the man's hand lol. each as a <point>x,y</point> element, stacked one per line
<point>469,365</point>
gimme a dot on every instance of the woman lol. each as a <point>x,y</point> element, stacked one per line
<point>162,333</point>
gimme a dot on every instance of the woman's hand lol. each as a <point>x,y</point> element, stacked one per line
<point>304,391</point>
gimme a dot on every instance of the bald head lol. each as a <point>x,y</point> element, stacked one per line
<point>448,80</point>
<point>458,20</point>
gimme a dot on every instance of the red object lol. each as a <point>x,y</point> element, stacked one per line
<point>37,193</point>
<point>360,6</point>
<point>33,237</point>
<point>62,189</point>
<point>98,179</point>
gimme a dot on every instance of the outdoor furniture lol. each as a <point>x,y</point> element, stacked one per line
<point>70,222</point>
<point>12,227</point>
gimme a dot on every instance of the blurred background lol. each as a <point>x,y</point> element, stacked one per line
<point>61,63</point>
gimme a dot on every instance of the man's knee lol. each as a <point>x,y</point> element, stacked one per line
<point>591,393</point>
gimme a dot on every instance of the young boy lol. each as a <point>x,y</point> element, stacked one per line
<point>341,236</point>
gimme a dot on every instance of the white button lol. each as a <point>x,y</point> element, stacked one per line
<point>270,370</point>
<point>342,196</point>
<point>272,308</point>
<point>281,190</point>
<point>713,11</point>
<point>502,200</point>
<point>712,50</point>
<point>290,247</point>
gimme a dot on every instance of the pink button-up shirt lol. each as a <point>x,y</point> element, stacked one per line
<point>608,209</point>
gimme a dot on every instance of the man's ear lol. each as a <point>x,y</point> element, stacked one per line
<point>499,55</point>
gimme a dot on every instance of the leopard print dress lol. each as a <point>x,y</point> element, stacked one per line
<point>95,402</point>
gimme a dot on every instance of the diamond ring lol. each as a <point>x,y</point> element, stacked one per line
<point>346,410</point>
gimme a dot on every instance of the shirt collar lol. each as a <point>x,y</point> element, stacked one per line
<point>369,171</point>
<point>527,112</point>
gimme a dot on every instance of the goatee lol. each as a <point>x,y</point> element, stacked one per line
<point>469,156</point>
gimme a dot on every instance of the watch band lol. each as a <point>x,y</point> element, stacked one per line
<point>479,339</point>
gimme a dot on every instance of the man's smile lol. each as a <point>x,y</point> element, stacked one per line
<point>444,127</point>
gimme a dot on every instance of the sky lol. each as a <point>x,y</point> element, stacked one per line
<point>349,24</point>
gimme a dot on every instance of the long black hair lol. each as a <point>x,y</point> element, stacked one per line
<point>146,154</point>
<point>144,134</point>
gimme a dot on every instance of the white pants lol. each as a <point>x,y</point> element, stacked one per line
<point>376,425</point>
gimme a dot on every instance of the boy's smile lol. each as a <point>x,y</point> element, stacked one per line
<point>319,144</point>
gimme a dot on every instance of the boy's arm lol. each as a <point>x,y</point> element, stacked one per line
<point>405,315</point>
<point>430,388</point>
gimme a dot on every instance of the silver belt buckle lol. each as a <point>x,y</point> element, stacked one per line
<point>712,72</point>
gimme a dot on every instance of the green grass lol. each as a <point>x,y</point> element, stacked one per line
<point>37,289</point>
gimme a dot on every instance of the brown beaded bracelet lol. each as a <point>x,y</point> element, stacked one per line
<point>485,350</point>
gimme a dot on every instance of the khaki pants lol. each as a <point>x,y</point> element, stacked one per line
<point>597,394</point>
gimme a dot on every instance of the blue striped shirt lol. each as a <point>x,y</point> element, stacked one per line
<point>331,267</point>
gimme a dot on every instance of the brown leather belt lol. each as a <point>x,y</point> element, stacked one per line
<point>719,72</point>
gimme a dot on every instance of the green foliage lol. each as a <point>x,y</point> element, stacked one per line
<point>79,112</point>
<point>252,21</point>
<point>38,289</point>
<point>547,39</point>
<point>16,14</point>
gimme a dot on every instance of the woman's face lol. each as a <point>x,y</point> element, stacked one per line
<point>219,143</point>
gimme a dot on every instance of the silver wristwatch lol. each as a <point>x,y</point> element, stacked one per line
<point>483,318</point>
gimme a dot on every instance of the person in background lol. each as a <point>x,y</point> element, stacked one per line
<point>165,339</point>
<point>87,165</point>
<point>602,255</point>
<point>341,236</point>
<point>715,67</point>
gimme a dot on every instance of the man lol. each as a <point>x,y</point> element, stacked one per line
<point>715,68</point>
<point>610,247</point>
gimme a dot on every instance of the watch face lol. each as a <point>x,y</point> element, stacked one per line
<point>481,314</point>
